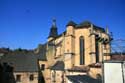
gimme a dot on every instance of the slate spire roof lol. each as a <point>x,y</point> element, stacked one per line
<point>53,30</point>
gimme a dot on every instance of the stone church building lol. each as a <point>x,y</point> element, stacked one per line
<point>76,55</point>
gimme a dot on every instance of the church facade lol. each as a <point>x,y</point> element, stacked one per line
<point>77,52</point>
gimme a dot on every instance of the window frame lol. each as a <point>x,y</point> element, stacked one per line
<point>18,78</point>
<point>31,77</point>
<point>42,67</point>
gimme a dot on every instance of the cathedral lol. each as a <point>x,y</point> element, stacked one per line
<point>76,55</point>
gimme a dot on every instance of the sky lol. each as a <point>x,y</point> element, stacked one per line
<point>26,23</point>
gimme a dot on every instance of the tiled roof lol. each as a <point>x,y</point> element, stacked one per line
<point>118,57</point>
<point>82,79</point>
<point>4,50</point>
<point>21,61</point>
<point>59,65</point>
<point>79,69</point>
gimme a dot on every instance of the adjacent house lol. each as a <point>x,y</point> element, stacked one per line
<point>24,63</point>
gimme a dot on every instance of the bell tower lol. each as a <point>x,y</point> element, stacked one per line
<point>53,30</point>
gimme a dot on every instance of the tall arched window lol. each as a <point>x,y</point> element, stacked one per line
<point>97,52</point>
<point>82,51</point>
<point>97,48</point>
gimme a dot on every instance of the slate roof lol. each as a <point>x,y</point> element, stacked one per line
<point>79,69</point>
<point>71,23</point>
<point>88,24</point>
<point>59,65</point>
<point>84,24</point>
<point>41,55</point>
<point>82,79</point>
<point>99,28</point>
<point>21,61</point>
<point>53,31</point>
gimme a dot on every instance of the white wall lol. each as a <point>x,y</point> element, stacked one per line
<point>113,72</point>
<point>69,81</point>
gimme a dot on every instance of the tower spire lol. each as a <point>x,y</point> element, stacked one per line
<point>53,29</point>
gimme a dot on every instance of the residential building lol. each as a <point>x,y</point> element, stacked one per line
<point>24,64</point>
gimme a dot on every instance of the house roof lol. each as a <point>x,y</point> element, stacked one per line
<point>4,50</point>
<point>21,61</point>
<point>79,69</point>
<point>59,65</point>
<point>118,57</point>
<point>82,79</point>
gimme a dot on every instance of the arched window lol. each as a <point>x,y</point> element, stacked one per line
<point>82,51</point>
<point>97,48</point>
